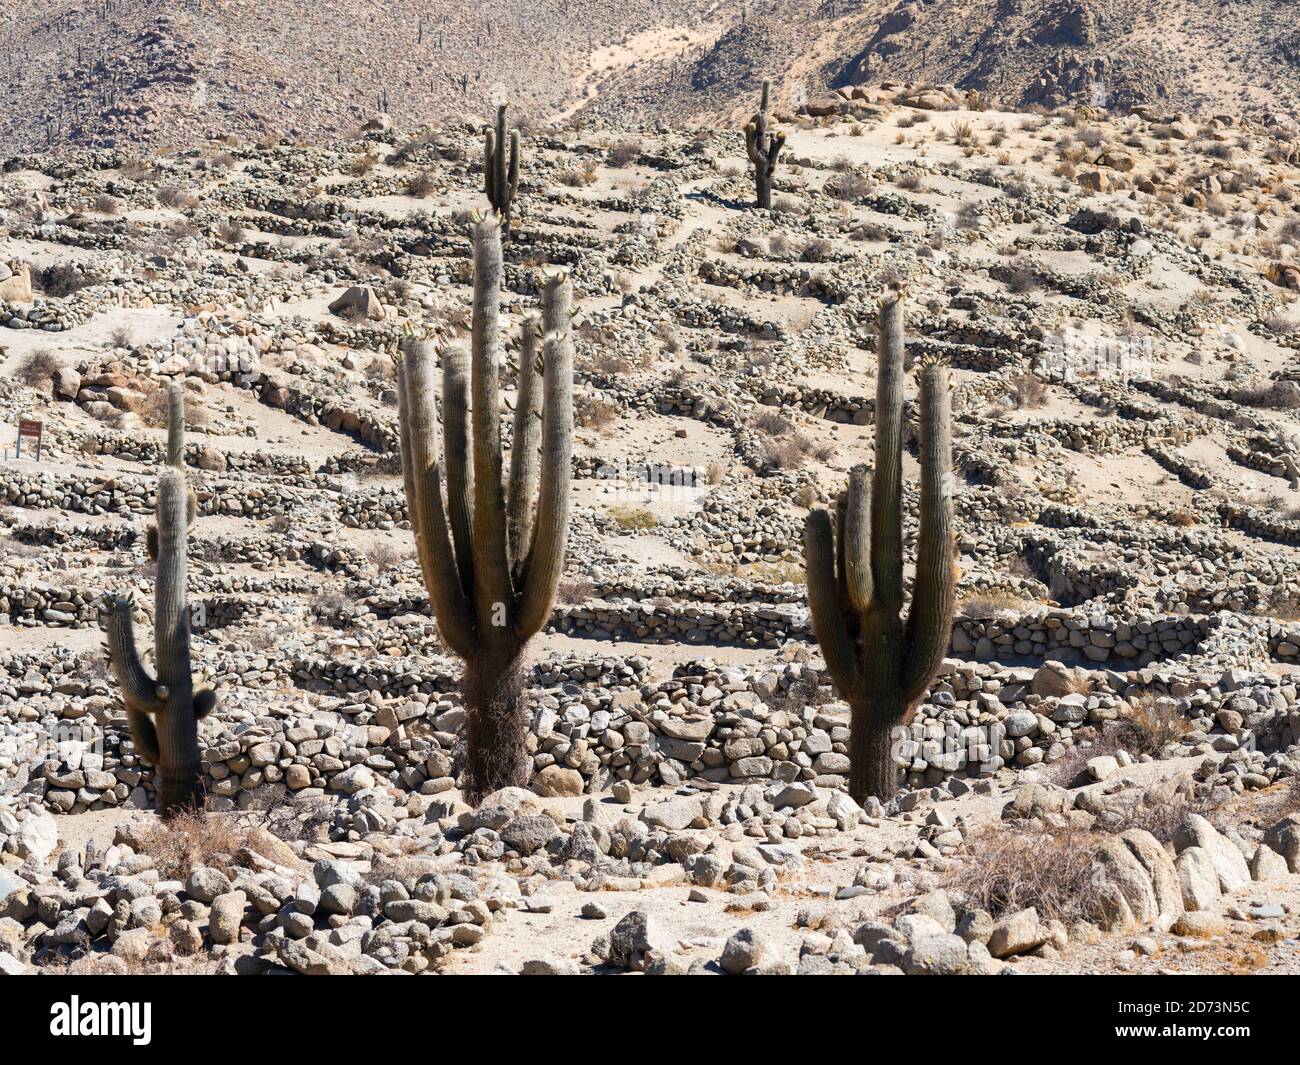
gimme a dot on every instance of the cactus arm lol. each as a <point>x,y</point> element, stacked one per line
<point>489,166</point>
<point>887,478</point>
<point>205,701</point>
<point>456,455</point>
<point>751,145</point>
<point>512,177</point>
<point>493,586</point>
<point>550,531</point>
<point>774,145</point>
<point>171,621</point>
<point>404,451</point>
<point>824,605</point>
<point>929,621</point>
<point>139,689</point>
<point>856,549</point>
<point>175,425</point>
<point>500,178</point>
<point>524,449</point>
<point>424,498</point>
<point>763,98</point>
<point>143,735</point>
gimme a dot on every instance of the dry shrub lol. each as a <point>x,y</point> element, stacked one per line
<point>62,279</point>
<point>786,453</point>
<point>1150,723</point>
<point>385,556</point>
<point>592,413</point>
<point>295,818</point>
<point>818,250</point>
<point>189,840</point>
<point>422,185</point>
<point>624,153</point>
<point>573,591</point>
<point>991,602</point>
<point>1007,870</point>
<point>633,518</point>
<point>1276,395</point>
<point>1161,815</point>
<point>362,165</point>
<point>231,232</point>
<point>106,204</point>
<point>770,423</point>
<point>175,197</point>
<point>578,177</point>
<point>1023,280</point>
<point>37,368</point>
<point>850,186</point>
<point>1027,391</point>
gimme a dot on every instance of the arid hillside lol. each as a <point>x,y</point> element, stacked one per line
<point>1103,773</point>
<point>133,72</point>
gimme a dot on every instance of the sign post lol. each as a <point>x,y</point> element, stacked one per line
<point>33,430</point>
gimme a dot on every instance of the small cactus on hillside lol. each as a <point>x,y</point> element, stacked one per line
<point>492,557</point>
<point>163,712</point>
<point>501,169</point>
<point>881,663</point>
<point>763,148</point>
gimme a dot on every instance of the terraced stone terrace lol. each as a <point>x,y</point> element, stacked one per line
<point>1127,632</point>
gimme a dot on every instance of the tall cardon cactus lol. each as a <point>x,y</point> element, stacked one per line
<point>881,662</point>
<point>501,169</point>
<point>763,148</point>
<point>163,712</point>
<point>493,554</point>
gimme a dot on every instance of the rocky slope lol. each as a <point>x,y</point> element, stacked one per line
<point>1117,299</point>
<point>131,72</point>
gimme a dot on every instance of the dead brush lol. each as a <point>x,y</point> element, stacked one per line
<point>1027,391</point>
<point>1006,870</point>
<point>189,840</point>
<point>37,368</point>
<point>1150,723</point>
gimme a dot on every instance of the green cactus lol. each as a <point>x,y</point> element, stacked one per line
<point>163,713</point>
<point>175,459</point>
<point>501,170</point>
<point>492,558</point>
<point>881,663</point>
<point>763,148</point>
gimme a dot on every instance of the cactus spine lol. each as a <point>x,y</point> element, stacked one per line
<point>881,663</point>
<point>763,148</point>
<point>501,169</point>
<point>163,712</point>
<point>492,557</point>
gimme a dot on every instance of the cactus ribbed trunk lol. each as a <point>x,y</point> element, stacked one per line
<point>873,769</point>
<point>492,558</point>
<point>880,662</point>
<point>495,754</point>
<point>501,169</point>
<point>163,712</point>
<point>763,147</point>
